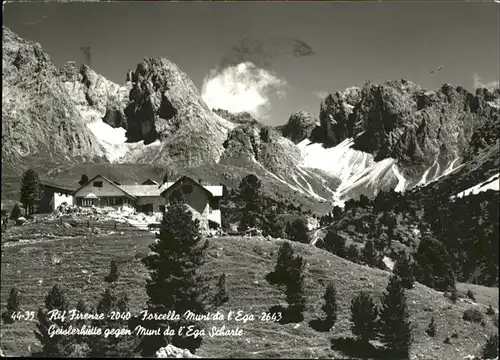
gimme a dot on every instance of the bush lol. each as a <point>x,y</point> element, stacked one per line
<point>447,340</point>
<point>490,349</point>
<point>470,295</point>
<point>473,315</point>
<point>431,328</point>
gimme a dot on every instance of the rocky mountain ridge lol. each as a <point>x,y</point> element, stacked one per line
<point>38,115</point>
<point>367,139</point>
<point>422,130</point>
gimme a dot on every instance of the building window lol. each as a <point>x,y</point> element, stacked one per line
<point>98,184</point>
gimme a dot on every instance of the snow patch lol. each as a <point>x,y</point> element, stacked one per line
<point>491,184</point>
<point>114,141</point>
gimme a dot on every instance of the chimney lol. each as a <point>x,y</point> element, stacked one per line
<point>200,180</point>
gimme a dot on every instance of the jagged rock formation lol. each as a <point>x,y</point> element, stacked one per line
<point>238,118</point>
<point>96,97</point>
<point>166,106</point>
<point>38,116</point>
<point>171,351</point>
<point>248,144</point>
<point>418,128</point>
<point>300,126</point>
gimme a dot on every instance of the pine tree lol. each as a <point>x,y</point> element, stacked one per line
<point>57,345</point>
<point>363,317</point>
<point>394,323</point>
<point>295,290</point>
<point>249,193</point>
<point>31,190</point>
<point>490,349</point>
<point>369,254</point>
<point>111,346</point>
<point>175,283</point>
<point>280,273</point>
<point>16,212</point>
<point>113,272</point>
<point>434,260</point>
<point>404,270</point>
<point>298,231</point>
<point>83,179</point>
<point>330,306</point>
<point>335,243</point>
<point>221,296</point>
<point>273,226</point>
<point>431,328</point>
<point>353,253</point>
<point>13,305</point>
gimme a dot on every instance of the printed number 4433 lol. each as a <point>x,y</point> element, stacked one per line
<point>23,315</point>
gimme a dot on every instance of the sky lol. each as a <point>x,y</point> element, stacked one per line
<point>349,43</point>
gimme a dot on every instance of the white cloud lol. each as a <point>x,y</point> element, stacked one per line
<point>478,83</point>
<point>242,87</point>
<point>321,94</point>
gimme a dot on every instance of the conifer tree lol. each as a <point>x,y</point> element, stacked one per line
<point>221,296</point>
<point>363,317</point>
<point>113,272</point>
<point>330,306</point>
<point>434,261</point>
<point>83,179</point>
<point>394,319</point>
<point>353,253</point>
<point>57,345</point>
<point>176,283</point>
<point>16,212</point>
<point>297,231</point>
<point>404,270</point>
<point>295,289</point>
<point>280,274</point>
<point>431,328</point>
<point>13,305</point>
<point>369,254</point>
<point>112,346</point>
<point>31,190</point>
<point>249,193</point>
<point>273,226</point>
<point>335,243</point>
<point>490,349</point>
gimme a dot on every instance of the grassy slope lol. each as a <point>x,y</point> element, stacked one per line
<point>246,262</point>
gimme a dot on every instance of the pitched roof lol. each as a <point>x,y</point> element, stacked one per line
<point>150,182</point>
<point>109,181</point>
<point>55,185</point>
<point>142,190</point>
<point>181,180</point>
